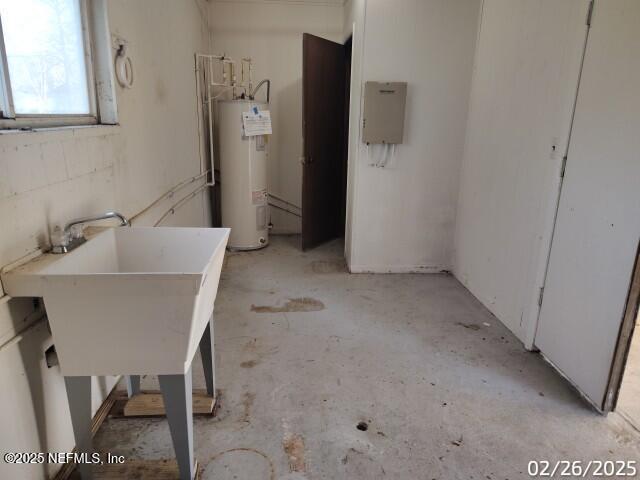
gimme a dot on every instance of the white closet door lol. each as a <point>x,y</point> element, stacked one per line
<point>598,223</point>
<point>524,87</point>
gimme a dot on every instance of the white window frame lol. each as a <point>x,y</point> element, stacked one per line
<point>101,95</point>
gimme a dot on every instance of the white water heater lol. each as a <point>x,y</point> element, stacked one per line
<point>243,177</point>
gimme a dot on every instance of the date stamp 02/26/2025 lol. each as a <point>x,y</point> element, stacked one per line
<point>583,469</point>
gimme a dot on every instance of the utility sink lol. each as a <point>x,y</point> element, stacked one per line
<point>128,301</point>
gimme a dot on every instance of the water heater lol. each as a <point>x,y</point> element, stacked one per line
<point>243,177</point>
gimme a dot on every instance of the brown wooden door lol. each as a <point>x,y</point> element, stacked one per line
<point>323,84</point>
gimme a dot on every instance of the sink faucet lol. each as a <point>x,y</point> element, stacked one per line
<point>66,240</point>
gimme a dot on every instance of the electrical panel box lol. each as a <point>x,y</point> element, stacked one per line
<point>383,116</point>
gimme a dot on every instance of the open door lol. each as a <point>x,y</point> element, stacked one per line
<point>323,83</point>
<point>598,222</point>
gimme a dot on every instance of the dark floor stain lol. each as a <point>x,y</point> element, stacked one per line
<point>249,363</point>
<point>304,304</point>
<point>329,266</point>
<point>362,426</point>
<point>470,326</point>
<point>218,405</point>
<point>251,345</point>
<point>247,403</point>
<point>352,451</point>
<point>257,348</point>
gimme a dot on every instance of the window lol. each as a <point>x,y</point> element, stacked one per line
<point>46,69</point>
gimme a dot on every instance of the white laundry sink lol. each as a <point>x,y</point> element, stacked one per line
<point>128,301</point>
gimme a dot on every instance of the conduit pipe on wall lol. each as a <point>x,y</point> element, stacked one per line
<point>210,122</point>
<point>18,338</point>
<point>32,319</point>
<point>170,193</point>
<point>199,113</point>
<point>287,204</point>
<point>285,210</point>
<point>284,201</point>
<point>181,202</point>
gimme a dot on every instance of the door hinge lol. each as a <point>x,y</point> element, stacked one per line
<point>563,167</point>
<point>540,296</point>
<point>590,13</point>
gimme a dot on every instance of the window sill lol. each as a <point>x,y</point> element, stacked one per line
<point>61,132</point>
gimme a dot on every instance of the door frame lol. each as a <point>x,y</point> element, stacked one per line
<point>344,184</point>
<point>627,328</point>
<point>356,33</point>
<point>332,221</point>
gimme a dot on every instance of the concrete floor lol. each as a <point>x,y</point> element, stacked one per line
<point>306,351</point>
<point>629,399</point>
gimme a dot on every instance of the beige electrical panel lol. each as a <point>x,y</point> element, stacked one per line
<point>383,117</point>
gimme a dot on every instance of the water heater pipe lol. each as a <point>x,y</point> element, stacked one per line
<point>252,94</point>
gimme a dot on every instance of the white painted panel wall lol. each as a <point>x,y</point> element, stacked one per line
<point>271,34</point>
<point>48,177</point>
<point>598,227</point>
<point>401,218</point>
<point>526,73</point>
<point>35,413</point>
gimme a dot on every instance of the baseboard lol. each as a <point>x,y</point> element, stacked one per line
<point>431,269</point>
<point>284,231</point>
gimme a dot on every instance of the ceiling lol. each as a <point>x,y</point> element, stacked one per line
<point>304,2</point>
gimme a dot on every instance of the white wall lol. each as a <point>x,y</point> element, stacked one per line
<point>526,73</point>
<point>401,218</point>
<point>271,34</point>
<point>48,177</point>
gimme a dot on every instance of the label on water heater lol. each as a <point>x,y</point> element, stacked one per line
<point>259,197</point>
<point>256,123</point>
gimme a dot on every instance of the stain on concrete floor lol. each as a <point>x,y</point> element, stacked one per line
<point>303,304</point>
<point>249,363</point>
<point>390,351</point>
<point>247,403</point>
<point>469,326</point>
<point>294,448</point>
<point>329,266</point>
